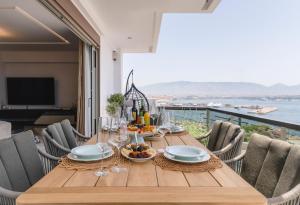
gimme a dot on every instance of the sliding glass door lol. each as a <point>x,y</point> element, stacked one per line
<point>91,87</point>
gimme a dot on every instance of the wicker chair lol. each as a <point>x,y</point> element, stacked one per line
<point>272,167</point>
<point>60,138</point>
<point>21,165</point>
<point>224,140</point>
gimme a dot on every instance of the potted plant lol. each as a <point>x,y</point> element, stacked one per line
<point>115,103</point>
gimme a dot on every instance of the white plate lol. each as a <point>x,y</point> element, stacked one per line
<point>172,129</point>
<point>185,151</point>
<point>138,159</point>
<point>177,129</point>
<point>203,158</point>
<point>90,151</point>
<point>75,158</point>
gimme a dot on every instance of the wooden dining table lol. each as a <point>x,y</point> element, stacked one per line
<point>144,183</point>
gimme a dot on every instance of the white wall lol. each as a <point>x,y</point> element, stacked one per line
<point>110,74</point>
<point>62,65</point>
<point>110,71</point>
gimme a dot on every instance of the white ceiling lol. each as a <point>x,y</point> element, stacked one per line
<point>27,25</point>
<point>133,25</point>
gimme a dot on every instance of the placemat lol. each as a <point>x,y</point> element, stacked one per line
<point>67,163</point>
<point>210,165</point>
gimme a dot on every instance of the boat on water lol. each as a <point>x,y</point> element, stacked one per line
<point>216,105</point>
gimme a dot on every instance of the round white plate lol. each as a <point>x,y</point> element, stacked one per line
<point>90,151</point>
<point>174,129</point>
<point>75,158</point>
<point>185,151</point>
<point>190,161</point>
<point>137,159</point>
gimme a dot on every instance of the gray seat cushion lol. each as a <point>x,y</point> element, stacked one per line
<point>68,131</point>
<point>290,175</point>
<point>271,166</point>
<point>222,134</point>
<point>255,155</point>
<point>13,165</point>
<point>56,132</point>
<point>4,180</point>
<point>20,165</point>
<point>28,152</point>
<point>232,133</point>
<point>214,135</point>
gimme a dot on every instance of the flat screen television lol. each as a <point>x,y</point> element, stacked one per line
<point>30,91</point>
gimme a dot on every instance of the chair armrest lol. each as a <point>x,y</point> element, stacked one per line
<point>9,193</point>
<point>47,156</point>
<point>48,161</point>
<point>223,150</point>
<point>236,163</point>
<point>78,134</point>
<point>60,146</point>
<point>232,149</point>
<point>291,197</point>
<point>204,136</point>
<point>235,159</point>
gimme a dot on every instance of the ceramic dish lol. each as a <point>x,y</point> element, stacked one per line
<point>171,129</point>
<point>203,158</point>
<point>126,152</point>
<point>90,151</point>
<point>185,151</point>
<point>78,159</point>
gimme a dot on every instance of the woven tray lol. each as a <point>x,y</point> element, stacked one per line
<point>210,165</point>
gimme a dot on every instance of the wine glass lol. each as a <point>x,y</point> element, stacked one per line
<point>101,142</point>
<point>119,140</point>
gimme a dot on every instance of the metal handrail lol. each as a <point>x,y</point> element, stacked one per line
<point>278,123</point>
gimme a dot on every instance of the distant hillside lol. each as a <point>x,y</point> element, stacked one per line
<point>219,89</point>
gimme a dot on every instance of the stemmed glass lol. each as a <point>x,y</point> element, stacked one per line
<point>100,142</point>
<point>119,140</point>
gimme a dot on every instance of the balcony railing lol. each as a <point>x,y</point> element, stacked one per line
<point>205,116</point>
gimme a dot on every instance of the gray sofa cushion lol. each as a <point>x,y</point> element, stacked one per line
<point>255,155</point>
<point>68,131</point>
<point>28,152</point>
<point>13,165</point>
<point>214,135</point>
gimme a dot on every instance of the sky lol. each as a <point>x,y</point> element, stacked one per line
<point>241,41</point>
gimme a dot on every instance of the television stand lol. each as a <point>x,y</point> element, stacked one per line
<point>25,119</point>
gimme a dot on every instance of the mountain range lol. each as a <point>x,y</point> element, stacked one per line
<point>219,89</point>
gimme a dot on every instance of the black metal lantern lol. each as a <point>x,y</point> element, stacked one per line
<point>132,93</point>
